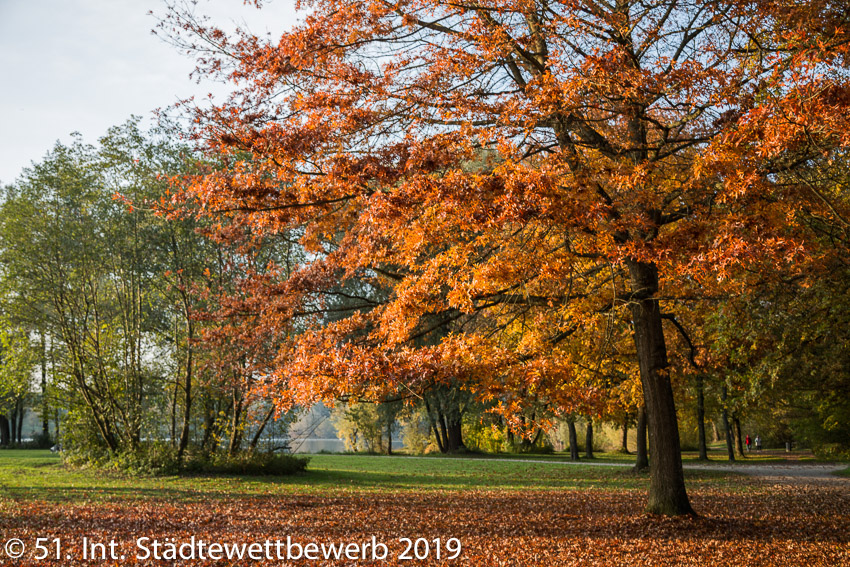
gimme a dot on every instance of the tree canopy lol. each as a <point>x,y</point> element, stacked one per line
<point>530,185</point>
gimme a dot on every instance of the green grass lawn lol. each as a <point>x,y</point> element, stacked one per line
<point>40,475</point>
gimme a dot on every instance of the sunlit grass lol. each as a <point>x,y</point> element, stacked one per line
<point>40,475</point>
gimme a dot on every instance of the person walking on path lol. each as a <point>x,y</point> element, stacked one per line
<point>748,441</point>
<point>758,443</point>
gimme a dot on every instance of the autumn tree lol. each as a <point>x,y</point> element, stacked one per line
<point>635,147</point>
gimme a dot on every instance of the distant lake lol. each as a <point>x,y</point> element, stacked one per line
<point>332,445</point>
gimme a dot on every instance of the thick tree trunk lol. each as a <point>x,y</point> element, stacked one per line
<point>624,446</point>
<point>667,493</point>
<point>455,436</point>
<point>588,439</point>
<point>4,431</point>
<point>738,440</point>
<point>642,460</point>
<point>571,425</point>
<point>727,429</point>
<point>703,448</point>
<point>389,437</point>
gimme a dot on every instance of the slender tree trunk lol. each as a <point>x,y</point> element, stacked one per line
<point>389,437</point>
<point>571,425</point>
<point>667,493</point>
<point>588,439</point>
<point>21,412</point>
<point>715,433</point>
<point>187,387</point>
<point>433,424</point>
<point>176,392</point>
<point>209,424</point>
<point>440,445</point>
<point>738,440</point>
<point>236,424</point>
<point>444,432</point>
<point>173,441</point>
<point>45,407</point>
<point>703,448</point>
<point>727,429</point>
<point>624,447</point>
<point>13,423</point>
<point>255,440</point>
<point>641,449</point>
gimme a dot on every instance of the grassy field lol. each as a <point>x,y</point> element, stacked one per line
<point>39,475</point>
<point>504,512</point>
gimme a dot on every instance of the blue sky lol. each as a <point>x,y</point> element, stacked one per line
<point>85,65</point>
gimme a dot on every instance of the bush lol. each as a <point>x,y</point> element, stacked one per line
<point>245,463</point>
<point>160,458</point>
<point>832,452</point>
<point>42,440</point>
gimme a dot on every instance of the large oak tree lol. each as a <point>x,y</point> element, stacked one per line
<point>523,176</point>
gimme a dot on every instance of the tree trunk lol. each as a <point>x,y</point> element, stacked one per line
<point>256,439</point>
<point>4,430</point>
<point>703,448</point>
<point>727,429</point>
<point>588,439</point>
<point>187,388</point>
<point>21,412</point>
<point>444,432</point>
<point>571,425</point>
<point>667,493</point>
<point>738,441</point>
<point>45,408</point>
<point>13,424</point>
<point>433,424</point>
<point>642,461</point>
<point>236,424</point>
<point>624,447</point>
<point>389,437</point>
<point>455,436</point>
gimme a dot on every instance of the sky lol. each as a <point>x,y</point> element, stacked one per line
<point>86,65</point>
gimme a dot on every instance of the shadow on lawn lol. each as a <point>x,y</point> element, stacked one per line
<point>59,485</point>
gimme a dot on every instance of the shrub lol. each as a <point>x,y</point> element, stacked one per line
<point>832,452</point>
<point>245,463</point>
<point>160,458</point>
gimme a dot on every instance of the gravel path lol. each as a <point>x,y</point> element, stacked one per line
<point>794,472</point>
<point>814,472</point>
